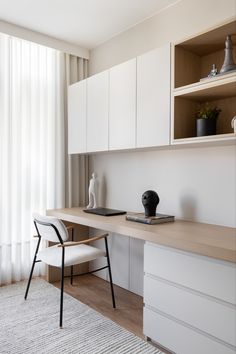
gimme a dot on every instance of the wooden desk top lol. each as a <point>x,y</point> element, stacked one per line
<point>208,240</point>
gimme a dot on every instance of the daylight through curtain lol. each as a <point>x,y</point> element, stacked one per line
<point>32,148</point>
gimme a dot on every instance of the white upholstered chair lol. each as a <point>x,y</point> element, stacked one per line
<point>65,254</point>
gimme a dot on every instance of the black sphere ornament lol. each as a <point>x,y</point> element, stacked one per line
<point>150,201</point>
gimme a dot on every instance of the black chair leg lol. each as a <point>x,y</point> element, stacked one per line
<point>32,268</point>
<point>110,275</point>
<point>62,286</point>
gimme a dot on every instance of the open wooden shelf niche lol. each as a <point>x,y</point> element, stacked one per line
<point>192,61</point>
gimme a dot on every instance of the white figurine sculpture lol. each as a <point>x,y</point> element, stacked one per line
<point>93,191</point>
<point>233,124</point>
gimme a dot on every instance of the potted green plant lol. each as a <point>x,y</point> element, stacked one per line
<point>206,119</point>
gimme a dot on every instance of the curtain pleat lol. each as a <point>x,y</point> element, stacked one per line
<point>32,148</point>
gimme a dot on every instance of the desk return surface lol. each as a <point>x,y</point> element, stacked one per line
<point>205,239</point>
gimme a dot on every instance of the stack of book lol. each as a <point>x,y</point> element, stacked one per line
<point>157,219</point>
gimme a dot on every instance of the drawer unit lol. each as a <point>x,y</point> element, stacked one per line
<point>189,301</point>
<point>207,275</point>
<point>178,338</point>
<point>192,308</point>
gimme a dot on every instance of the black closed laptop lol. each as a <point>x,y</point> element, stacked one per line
<point>105,211</point>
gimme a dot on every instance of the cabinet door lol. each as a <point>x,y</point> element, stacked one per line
<point>136,266</point>
<point>122,106</point>
<point>97,112</point>
<point>77,118</point>
<point>153,97</point>
<point>119,254</point>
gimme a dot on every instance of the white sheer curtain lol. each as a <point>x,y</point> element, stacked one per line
<point>32,156</point>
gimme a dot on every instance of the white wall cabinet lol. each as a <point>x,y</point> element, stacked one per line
<point>77,118</point>
<point>122,106</point>
<point>189,296</point>
<point>153,97</point>
<point>125,107</point>
<point>97,112</point>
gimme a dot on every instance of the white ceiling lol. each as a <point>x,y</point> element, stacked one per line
<point>86,23</point>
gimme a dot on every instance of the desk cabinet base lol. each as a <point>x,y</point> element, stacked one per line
<point>178,338</point>
<point>189,301</point>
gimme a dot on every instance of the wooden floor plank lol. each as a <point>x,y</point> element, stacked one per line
<point>95,292</point>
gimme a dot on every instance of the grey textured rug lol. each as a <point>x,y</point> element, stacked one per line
<point>32,326</point>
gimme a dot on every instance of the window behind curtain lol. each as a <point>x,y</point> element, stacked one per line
<point>31,148</point>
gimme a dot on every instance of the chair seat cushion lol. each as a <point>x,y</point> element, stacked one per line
<point>73,255</point>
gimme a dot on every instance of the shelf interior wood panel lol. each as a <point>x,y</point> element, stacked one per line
<point>194,57</point>
<point>209,91</point>
<point>210,41</point>
<point>185,116</point>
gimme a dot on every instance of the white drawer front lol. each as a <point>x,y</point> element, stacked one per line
<point>212,317</point>
<point>178,338</point>
<point>207,275</point>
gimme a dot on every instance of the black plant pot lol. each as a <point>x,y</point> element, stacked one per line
<point>206,126</point>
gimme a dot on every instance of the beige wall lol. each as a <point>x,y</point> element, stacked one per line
<point>185,18</point>
<point>193,183</point>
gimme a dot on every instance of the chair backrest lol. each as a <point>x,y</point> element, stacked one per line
<point>48,226</point>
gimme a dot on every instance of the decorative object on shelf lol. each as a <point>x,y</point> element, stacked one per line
<point>150,200</point>
<point>213,71</point>
<point>233,124</point>
<point>228,64</point>
<point>206,120</point>
<point>93,191</point>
